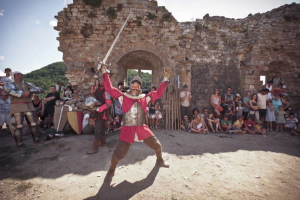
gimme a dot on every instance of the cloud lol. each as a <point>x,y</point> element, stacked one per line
<point>2,58</point>
<point>162,3</point>
<point>1,12</point>
<point>37,22</point>
<point>53,23</point>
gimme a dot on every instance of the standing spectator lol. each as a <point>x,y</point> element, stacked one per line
<point>237,100</point>
<point>49,106</point>
<point>227,99</point>
<point>185,98</point>
<point>254,107</point>
<point>270,118</point>
<point>226,124</point>
<point>262,102</point>
<point>280,118</point>
<point>277,102</point>
<point>37,104</point>
<point>7,78</point>
<point>284,100</point>
<point>246,100</point>
<point>151,106</point>
<point>121,87</point>
<point>278,90</point>
<point>239,110</point>
<point>4,110</point>
<point>215,101</point>
<point>95,86</point>
<point>269,86</point>
<point>277,79</point>
<point>291,121</point>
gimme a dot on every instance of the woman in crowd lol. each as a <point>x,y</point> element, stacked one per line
<point>195,114</point>
<point>95,86</point>
<point>277,102</point>
<point>151,106</point>
<point>284,100</point>
<point>278,90</point>
<point>212,119</point>
<point>199,126</point>
<point>215,101</point>
<point>254,107</point>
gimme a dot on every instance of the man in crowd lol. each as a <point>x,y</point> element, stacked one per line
<point>100,116</point>
<point>21,105</point>
<point>262,102</point>
<point>277,79</point>
<point>121,87</point>
<point>246,100</point>
<point>5,79</point>
<point>227,99</point>
<point>134,105</point>
<point>49,106</point>
<point>185,99</point>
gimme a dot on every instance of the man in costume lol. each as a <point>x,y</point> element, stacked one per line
<point>21,106</point>
<point>134,105</point>
<point>100,116</point>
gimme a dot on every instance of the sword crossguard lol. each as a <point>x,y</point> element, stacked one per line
<point>102,67</point>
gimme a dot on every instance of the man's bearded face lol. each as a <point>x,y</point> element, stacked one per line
<point>135,89</point>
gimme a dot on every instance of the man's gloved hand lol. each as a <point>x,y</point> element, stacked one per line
<point>167,74</point>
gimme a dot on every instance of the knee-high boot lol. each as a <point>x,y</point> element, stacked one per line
<point>34,134</point>
<point>18,137</point>
<point>95,148</point>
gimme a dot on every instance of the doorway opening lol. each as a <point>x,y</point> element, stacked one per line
<point>262,79</point>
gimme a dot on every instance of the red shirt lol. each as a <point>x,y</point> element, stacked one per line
<point>250,125</point>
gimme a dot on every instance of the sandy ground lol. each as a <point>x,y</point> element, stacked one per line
<point>213,166</point>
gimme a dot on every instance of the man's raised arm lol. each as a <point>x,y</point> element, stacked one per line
<point>112,91</point>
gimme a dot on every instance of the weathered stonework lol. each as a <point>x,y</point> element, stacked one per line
<point>207,53</point>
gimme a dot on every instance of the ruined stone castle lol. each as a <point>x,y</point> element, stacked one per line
<point>213,52</point>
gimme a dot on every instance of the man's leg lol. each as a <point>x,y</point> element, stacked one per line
<point>33,126</point>
<point>99,136</point>
<point>119,153</point>
<point>19,117</point>
<point>154,144</point>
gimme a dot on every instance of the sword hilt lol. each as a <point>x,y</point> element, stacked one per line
<point>103,66</point>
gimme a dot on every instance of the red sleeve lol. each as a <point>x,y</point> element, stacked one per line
<point>112,91</point>
<point>104,106</point>
<point>159,92</point>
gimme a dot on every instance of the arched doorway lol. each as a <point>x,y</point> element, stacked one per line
<point>141,60</point>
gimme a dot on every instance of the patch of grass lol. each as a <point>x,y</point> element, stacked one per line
<point>23,187</point>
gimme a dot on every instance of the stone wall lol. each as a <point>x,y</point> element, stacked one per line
<point>213,52</point>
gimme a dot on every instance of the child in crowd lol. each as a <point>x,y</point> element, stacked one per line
<point>199,126</point>
<point>158,115</point>
<point>195,113</point>
<point>4,110</point>
<point>238,125</point>
<point>270,117</point>
<point>259,129</point>
<point>250,125</point>
<point>226,124</point>
<point>117,124</point>
<point>291,121</point>
<point>152,114</point>
<point>229,113</point>
<point>212,119</point>
<point>239,110</point>
<point>185,123</point>
<point>280,118</point>
<point>297,130</point>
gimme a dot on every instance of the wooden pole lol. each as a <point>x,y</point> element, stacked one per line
<point>172,111</point>
<point>168,109</point>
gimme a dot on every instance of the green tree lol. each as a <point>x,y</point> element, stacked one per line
<point>146,78</point>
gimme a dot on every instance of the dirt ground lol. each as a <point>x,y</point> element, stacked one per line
<point>213,166</point>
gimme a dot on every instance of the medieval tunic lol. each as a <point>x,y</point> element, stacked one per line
<point>128,132</point>
<point>22,104</point>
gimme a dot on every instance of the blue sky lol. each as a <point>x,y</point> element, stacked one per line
<point>28,40</point>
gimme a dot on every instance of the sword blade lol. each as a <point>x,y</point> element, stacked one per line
<point>113,44</point>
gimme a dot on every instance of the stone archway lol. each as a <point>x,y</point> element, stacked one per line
<point>140,60</point>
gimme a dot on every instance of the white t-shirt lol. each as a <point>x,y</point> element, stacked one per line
<point>262,101</point>
<point>186,102</point>
<point>85,120</point>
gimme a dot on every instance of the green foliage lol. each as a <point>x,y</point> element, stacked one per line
<point>47,76</point>
<point>111,13</point>
<point>146,78</point>
<point>151,16</point>
<point>94,3</point>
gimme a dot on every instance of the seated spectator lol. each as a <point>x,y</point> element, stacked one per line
<point>254,107</point>
<point>199,126</point>
<point>270,117</point>
<point>95,86</point>
<point>296,131</point>
<point>249,126</point>
<point>259,129</point>
<point>229,113</point>
<point>280,120</point>
<point>147,116</point>
<point>239,110</point>
<point>238,125</point>
<point>226,124</point>
<point>88,124</point>
<point>158,115</point>
<point>4,111</point>
<point>215,101</point>
<point>205,115</point>
<point>237,100</point>
<point>212,119</point>
<point>186,124</point>
<point>117,123</point>
<point>291,121</point>
<point>195,113</point>
<point>68,94</point>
